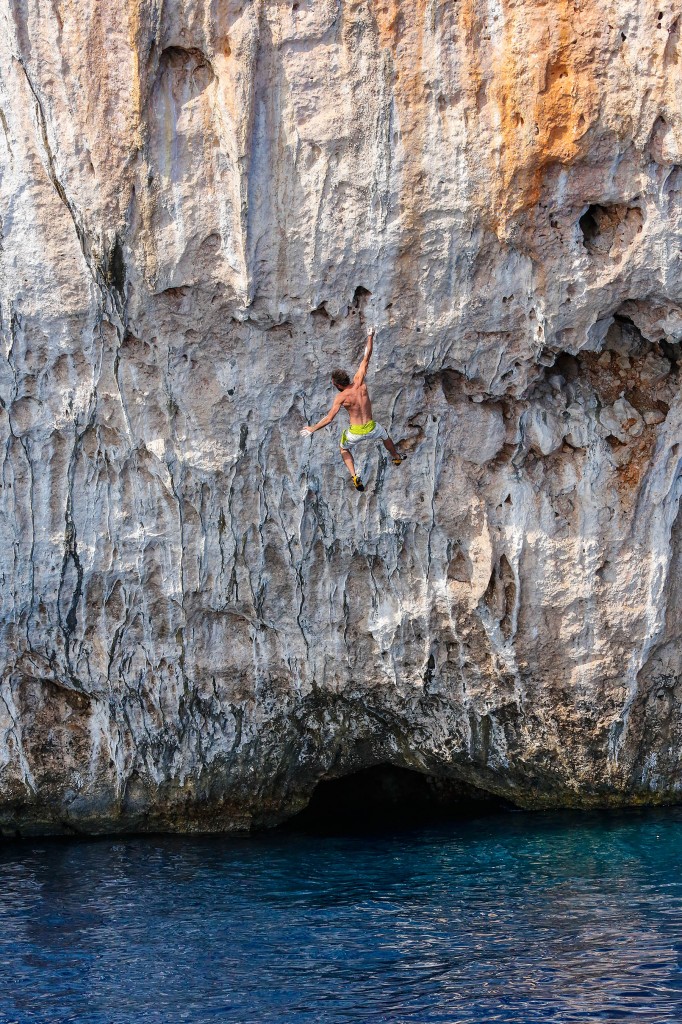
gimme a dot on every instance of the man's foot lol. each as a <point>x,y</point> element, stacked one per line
<point>357,483</point>
<point>397,459</point>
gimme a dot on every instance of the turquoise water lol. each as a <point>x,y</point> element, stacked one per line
<point>514,917</point>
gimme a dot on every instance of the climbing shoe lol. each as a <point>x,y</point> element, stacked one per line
<point>398,461</point>
<point>358,484</point>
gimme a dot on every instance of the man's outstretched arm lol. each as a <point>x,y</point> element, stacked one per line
<point>360,375</point>
<point>325,419</point>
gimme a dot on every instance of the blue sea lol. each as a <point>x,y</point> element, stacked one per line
<point>510,917</point>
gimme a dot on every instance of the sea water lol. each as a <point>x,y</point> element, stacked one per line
<point>514,917</point>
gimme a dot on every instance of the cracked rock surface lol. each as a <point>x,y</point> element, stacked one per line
<point>200,204</point>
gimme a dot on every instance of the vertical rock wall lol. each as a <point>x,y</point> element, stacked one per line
<point>200,202</point>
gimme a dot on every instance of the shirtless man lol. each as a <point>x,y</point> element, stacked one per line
<point>354,398</point>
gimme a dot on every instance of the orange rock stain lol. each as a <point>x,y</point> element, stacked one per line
<point>527,74</point>
<point>544,88</point>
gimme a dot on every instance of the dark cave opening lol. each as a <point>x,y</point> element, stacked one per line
<point>116,267</point>
<point>588,224</point>
<point>385,796</point>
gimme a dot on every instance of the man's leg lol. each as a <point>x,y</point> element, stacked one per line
<point>350,466</point>
<point>393,451</point>
<point>348,459</point>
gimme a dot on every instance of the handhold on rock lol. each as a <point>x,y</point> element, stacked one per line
<point>621,420</point>
<point>655,369</point>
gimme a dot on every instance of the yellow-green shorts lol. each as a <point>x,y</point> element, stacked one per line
<point>371,431</point>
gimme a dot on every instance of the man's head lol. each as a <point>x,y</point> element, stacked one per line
<point>340,380</point>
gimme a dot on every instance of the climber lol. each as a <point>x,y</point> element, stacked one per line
<point>354,398</point>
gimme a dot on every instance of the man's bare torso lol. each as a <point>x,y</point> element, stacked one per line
<point>357,404</point>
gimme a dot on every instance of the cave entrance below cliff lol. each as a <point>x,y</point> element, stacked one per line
<point>386,796</point>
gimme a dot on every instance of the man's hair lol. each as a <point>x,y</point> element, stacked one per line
<point>341,378</point>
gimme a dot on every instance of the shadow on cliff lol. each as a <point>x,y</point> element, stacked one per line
<point>387,797</point>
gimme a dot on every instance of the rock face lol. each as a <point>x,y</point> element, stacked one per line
<point>200,203</point>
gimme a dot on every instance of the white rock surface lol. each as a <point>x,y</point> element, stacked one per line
<point>198,203</point>
<point>621,420</point>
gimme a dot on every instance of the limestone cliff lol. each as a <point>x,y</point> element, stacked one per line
<point>199,201</point>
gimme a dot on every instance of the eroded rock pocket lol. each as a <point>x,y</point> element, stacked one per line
<point>608,231</point>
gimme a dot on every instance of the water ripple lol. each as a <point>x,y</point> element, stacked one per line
<point>516,918</point>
